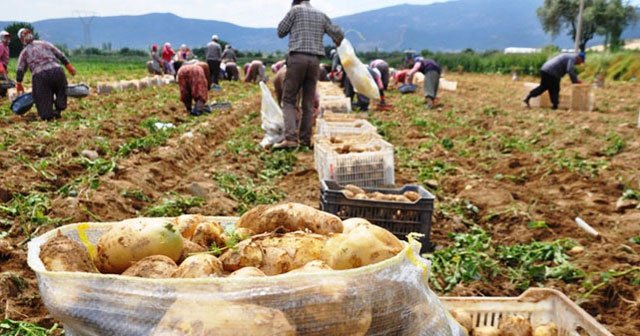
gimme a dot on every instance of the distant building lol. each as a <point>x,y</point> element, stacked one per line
<point>515,50</point>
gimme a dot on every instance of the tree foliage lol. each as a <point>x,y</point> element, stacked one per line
<point>15,46</point>
<point>607,18</point>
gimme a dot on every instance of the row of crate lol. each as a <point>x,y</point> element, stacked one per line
<point>104,88</point>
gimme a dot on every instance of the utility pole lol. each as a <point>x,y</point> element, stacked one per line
<point>579,29</point>
<point>86,18</point>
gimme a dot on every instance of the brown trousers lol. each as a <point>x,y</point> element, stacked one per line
<point>302,73</point>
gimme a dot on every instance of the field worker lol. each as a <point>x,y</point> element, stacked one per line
<point>323,76</point>
<point>254,72</point>
<point>362,102</point>
<point>5,40</point>
<point>214,58</point>
<point>229,55</point>
<point>231,72</point>
<point>48,80</point>
<point>431,70</point>
<point>277,66</point>
<point>381,67</point>
<point>552,72</point>
<point>167,56</point>
<point>306,27</point>
<point>155,65</point>
<point>194,83</point>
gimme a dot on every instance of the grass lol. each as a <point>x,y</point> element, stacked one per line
<point>31,211</point>
<point>174,205</point>
<point>16,328</point>
<point>246,192</point>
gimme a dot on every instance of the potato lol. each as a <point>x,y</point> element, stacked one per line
<point>189,247</point>
<point>63,254</point>
<point>546,330</point>
<point>312,267</point>
<point>186,224</point>
<point>155,267</point>
<point>247,272</point>
<point>400,198</point>
<point>245,254</point>
<point>412,196</point>
<point>348,193</point>
<point>515,326</point>
<point>286,252</point>
<point>463,318</point>
<point>362,244</point>
<point>290,217</point>
<point>485,331</point>
<point>361,197</point>
<point>354,189</point>
<point>199,266</point>
<point>132,240</point>
<point>187,317</point>
<point>378,196</point>
<point>207,233</point>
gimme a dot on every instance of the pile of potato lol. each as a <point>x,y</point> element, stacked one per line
<point>354,192</point>
<point>267,241</point>
<point>509,326</point>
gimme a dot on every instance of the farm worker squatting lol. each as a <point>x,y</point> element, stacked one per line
<point>305,26</point>
<point>48,79</point>
<point>5,40</point>
<point>194,81</point>
<point>431,70</point>
<point>552,72</point>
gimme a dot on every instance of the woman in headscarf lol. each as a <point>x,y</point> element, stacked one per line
<point>167,55</point>
<point>254,72</point>
<point>155,65</point>
<point>47,77</point>
<point>5,40</point>
<point>194,82</point>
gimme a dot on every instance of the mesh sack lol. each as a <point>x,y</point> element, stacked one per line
<point>357,72</point>
<point>407,88</point>
<point>78,91</point>
<point>389,298</point>
<point>22,104</point>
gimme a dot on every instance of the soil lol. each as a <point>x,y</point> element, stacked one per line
<point>511,183</point>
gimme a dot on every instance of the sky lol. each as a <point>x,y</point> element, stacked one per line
<point>248,13</point>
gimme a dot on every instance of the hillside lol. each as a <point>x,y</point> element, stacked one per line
<point>453,25</point>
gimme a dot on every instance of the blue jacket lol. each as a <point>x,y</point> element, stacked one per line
<point>561,65</point>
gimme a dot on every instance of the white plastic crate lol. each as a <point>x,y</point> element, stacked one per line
<point>539,305</point>
<point>366,169</point>
<point>331,128</point>
<point>448,85</point>
<point>335,104</point>
<point>544,101</point>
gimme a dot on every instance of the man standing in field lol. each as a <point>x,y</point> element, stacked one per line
<point>5,40</point>
<point>306,27</point>
<point>214,56</point>
<point>552,72</point>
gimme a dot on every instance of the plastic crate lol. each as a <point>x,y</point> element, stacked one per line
<point>399,218</point>
<point>355,127</point>
<point>330,116</point>
<point>582,97</point>
<point>539,305</point>
<point>544,101</point>
<point>335,104</point>
<point>366,169</point>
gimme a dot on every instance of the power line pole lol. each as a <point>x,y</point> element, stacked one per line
<point>86,18</point>
<point>579,30</point>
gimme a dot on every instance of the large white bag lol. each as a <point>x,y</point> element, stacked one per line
<point>272,118</point>
<point>357,72</point>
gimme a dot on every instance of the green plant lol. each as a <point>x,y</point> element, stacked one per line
<point>635,240</point>
<point>384,127</point>
<point>434,169</point>
<point>17,328</point>
<point>606,277</point>
<point>29,210</point>
<point>631,194</point>
<point>277,164</point>
<point>246,192</point>
<point>615,145</point>
<point>537,225</point>
<point>174,205</point>
<point>136,194</point>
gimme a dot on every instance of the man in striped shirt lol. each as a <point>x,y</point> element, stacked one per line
<point>306,27</point>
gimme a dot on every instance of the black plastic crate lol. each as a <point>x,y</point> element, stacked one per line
<point>398,217</point>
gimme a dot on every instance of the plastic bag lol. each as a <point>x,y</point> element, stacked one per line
<point>272,118</point>
<point>388,298</point>
<point>407,88</point>
<point>78,90</point>
<point>357,72</point>
<point>22,104</point>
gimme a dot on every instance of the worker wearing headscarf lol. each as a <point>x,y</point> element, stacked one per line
<point>167,56</point>
<point>154,65</point>
<point>48,79</point>
<point>254,72</point>
<point>5,40</point>
<point>194,82</point>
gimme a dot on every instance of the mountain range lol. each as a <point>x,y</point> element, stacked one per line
<point>446,26</point>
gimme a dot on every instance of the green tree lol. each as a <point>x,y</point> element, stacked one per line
<point>557,16</point>
<point>15,46</point>
<point>615,17</point>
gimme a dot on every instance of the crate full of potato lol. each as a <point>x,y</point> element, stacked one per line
<point>537,312</point>
<point>348,127</point>
<point>400,211</point>
<point>367,164</point>
<point>285,269</point>
<point>335,104</point>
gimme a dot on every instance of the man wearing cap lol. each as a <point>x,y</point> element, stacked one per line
<point>306,27</point>
<point>5,40</point>
<point>49,83</point>
<point>214,56</point>
<point>552,72</point>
